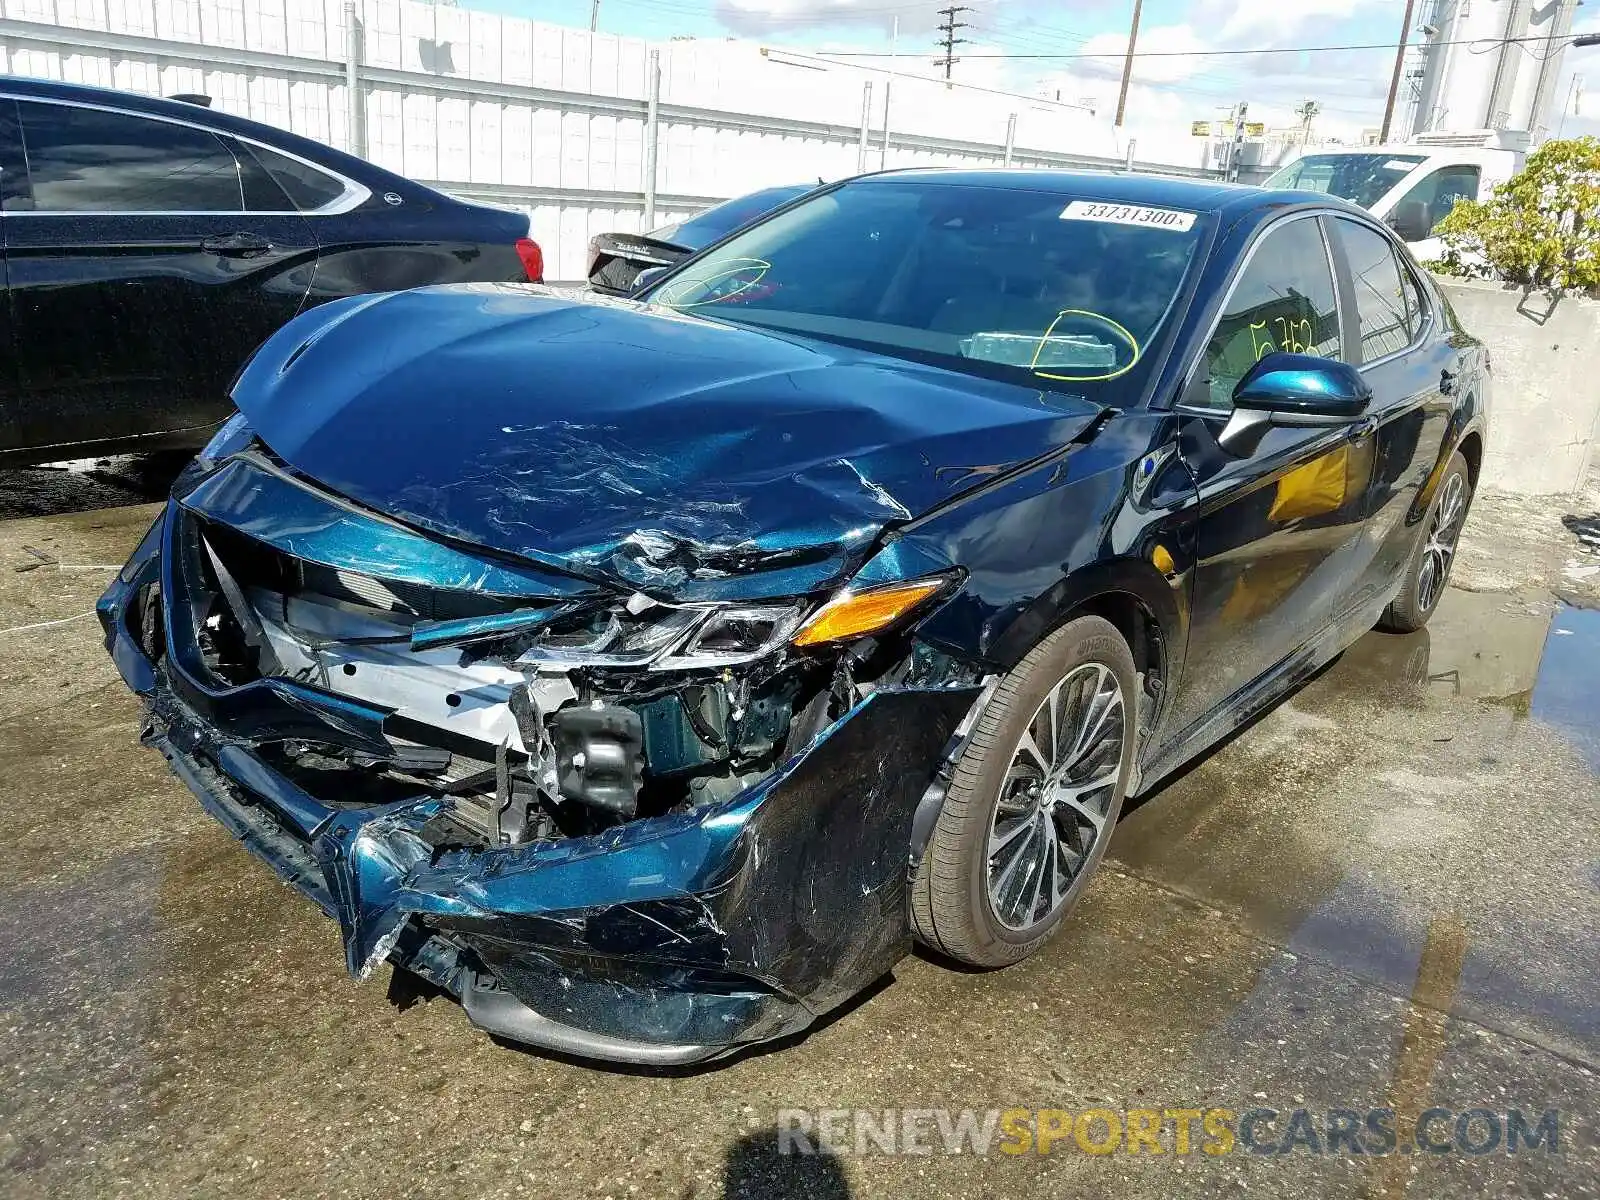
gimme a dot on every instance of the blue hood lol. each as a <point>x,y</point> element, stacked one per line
<point>626,443</point>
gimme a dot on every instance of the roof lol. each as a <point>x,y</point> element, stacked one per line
<point>209,118</point>
<point>1171,191</point>
<point>1232,200</point>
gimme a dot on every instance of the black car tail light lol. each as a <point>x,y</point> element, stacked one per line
<point>532,259</point>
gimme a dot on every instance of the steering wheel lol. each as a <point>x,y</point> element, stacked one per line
<point>1082,322</point>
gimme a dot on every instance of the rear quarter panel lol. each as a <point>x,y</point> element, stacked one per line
<point>385,247</point>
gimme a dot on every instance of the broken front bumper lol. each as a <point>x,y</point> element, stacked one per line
<point>667,940</point>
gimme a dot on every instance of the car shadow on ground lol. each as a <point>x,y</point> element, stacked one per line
<point>57,489</point>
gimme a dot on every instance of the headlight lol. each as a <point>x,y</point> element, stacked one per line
<point>853,614</point>
<point>661,637</point>
<point>665,638</point>
<point>735,635</point>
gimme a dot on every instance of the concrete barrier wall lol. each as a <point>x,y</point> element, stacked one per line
<point>1546,405</point>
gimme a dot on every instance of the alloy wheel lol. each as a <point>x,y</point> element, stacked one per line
<point>1053,804</point>
<point>1440,549</point>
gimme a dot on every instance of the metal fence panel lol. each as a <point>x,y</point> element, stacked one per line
<point>549,119</point>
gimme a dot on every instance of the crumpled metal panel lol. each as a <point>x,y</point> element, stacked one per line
<point>631,444</point>
<point>799,882</point>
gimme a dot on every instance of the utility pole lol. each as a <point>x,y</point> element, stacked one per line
<point>1306,112</point>
<point>1394,79</point>
<point>950,41</point>
<point>1574,95</point>
<point>1236,151</point>
<point>894,42</point>
<point>1127,63</point>
<point>594,15</point>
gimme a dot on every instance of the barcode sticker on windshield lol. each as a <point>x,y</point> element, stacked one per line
<point>1128,214</point>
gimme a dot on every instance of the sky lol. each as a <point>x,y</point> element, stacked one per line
<point>1349,86</point>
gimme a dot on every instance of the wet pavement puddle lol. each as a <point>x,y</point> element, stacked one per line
<point>1567,690</point>
<point>1420,816</point>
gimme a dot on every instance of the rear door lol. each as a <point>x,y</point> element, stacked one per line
<point>1277,530</point>
<point>139,281</point>
<point>1408,368</point>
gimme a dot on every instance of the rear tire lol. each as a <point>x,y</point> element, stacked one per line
<point>1032,801</point>
<point>1427,571</point>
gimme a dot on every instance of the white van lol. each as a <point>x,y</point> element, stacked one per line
<point>1411,186</point>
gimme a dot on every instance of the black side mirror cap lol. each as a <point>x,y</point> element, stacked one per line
<point>1410,221</point>
<point>1296,390</point>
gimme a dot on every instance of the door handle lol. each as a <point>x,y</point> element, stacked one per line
<point>236,245</point>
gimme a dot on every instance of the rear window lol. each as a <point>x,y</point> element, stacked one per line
<point>996,281</point>
<point>722,220</point>
<point>1387,310</point>
<point>305,185</point>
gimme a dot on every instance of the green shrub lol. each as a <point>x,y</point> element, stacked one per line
<point>1540,230</point>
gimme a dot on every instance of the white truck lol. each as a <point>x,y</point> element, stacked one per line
<point>1411,186</point>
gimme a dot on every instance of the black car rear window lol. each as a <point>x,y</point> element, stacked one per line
<point>91,160</point>
<point>705,228</point>
<point>309,188</point>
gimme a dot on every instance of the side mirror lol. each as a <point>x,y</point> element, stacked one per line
<point>1410,220</point>
<point>1295,390</point>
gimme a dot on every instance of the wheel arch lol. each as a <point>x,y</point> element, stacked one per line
<point>1471,449</point>
<point>1129,593</point>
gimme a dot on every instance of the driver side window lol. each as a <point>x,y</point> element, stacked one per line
<point>1284,300</point>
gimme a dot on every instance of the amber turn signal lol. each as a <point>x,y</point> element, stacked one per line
<point>856,614</point>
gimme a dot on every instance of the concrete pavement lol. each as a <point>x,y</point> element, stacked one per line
<point>1384,894</point>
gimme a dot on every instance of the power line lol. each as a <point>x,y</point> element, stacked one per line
<point>1189,53</point>
<point>950,41</point>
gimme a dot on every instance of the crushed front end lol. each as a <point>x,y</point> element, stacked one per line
<point>609,821</point>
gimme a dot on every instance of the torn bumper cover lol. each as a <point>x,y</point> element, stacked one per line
<point>671,938</point>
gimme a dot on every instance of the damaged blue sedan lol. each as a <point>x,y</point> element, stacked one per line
<point>648,674</point>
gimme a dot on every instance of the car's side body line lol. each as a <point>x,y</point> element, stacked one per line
<point>1260,694</point>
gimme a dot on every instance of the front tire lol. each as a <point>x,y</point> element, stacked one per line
<point>1032,801</point>
<point>1428,569</point>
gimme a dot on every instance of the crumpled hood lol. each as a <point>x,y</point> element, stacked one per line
<point>623,442</point>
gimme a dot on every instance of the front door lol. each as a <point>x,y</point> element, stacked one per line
<point>139,283</point>
<point>1276,531</point>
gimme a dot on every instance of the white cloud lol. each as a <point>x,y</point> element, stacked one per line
<point>1270,23</point>
<point>1166,50</point>
<point>769,17</point>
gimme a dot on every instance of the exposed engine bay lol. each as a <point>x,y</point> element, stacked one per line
<point>533,722</point>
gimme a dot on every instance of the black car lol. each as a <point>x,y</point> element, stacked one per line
<point>617,259</point>
<point>151,245</point>
<point>836,592</point>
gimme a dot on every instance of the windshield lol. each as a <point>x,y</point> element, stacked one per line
<point>1004,282</point>
<point>705,228</point>
<point>1359,178</point>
